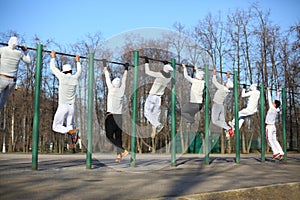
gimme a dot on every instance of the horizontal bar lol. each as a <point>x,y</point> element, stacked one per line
<point>71,55</point>
<point>180,64</point>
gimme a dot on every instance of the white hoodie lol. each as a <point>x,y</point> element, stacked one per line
<point>221,92</point>
<point>10,58</point>
<point>272,112</point>
<point>115,94</point>
<point>160,82</point>
<point>196,88</point>
<point>253,95</point>
<point>67,83</point>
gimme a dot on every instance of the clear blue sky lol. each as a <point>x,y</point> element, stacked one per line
<point>67,21</point>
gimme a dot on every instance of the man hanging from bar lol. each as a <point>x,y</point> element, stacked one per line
<point>10,58</point>
<point>66,97</point>
<point>113,120</point>
<point>218,113</point>
<point>251,108</point>
<point>153,102</point>
<point>190,109</point>
<point>270,125</point>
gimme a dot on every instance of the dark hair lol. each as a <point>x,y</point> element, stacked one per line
<point>66,72</point>
<point>277,103</point>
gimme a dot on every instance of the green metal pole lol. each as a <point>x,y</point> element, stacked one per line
<point>35,131</point>
<point>90,111</point>
<point>262,122</point>
<point>173,115</point>
<point>284,122</point>
<point>206,117</point>
<point>134,108</point>
<point>236,118</point>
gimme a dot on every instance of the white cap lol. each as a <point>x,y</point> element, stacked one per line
<point>199,74</point>
<point>116,82</point>
<point>13,42</point>
<point>168,68</point>
<point>67,67</point>
<point>253,87</point>
<point>229,84</point>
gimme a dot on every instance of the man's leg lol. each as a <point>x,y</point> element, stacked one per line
<point>218,116</point>
<point>118,133</point>
<point>243,114</point>
<point>109,129</point>
<point>189,111</point>
<point>6,87</point>
<point>70,117</point>
<point>59,118</point>
<point>272,141</point>
<point>276,143</point>
<point>152,110</point>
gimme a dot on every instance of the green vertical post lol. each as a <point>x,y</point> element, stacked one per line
<point>90,111</point>
<point>134,108</point>
<point>262,122</point>
<point>173,114</point>
<point>236,118</point>
<point>36,114</point>
<point>206,117</point>
<point>283,93</point>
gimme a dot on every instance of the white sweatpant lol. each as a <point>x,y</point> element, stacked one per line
<point>152,109</point>
<point>272,139</point>
<point>7,85</point>
<point>64,113</point>
<point>243,114</point>
<point>218,116</point>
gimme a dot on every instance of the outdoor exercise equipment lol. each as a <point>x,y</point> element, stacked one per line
<point>173,63</point>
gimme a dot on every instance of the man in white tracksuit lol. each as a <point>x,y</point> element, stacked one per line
<point>217,113</point>
<point>190,109</point>
<point>270,126</point>
<point>153,102</point>
<point>66,97</point>
<point>10,58</point>
<point>113,120</point>
<point>251,108</point>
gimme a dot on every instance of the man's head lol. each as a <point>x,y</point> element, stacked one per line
<point>168,68</point>
<point>277,104</point>
<point>199,74</point>
<point>13,42</point>
<point>253,87</point>
<point>67,69</point>
<point>229,84</point>
<point>116,82</point>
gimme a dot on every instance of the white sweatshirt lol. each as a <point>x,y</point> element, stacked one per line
<point>9,59</point>
<point>160,82</point>
<point>67,83</point>
<point>272,112</point>
<point>115,95</point>
<point>196,88</point>
<point>221,92</point>
<point>253,99</point>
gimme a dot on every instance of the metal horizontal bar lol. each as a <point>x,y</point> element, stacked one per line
<point>67,54</point>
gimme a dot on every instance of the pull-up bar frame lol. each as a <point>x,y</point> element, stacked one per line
<point>134,106</point>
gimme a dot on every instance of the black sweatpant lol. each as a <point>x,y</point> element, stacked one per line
<point>113,127</point>
<point>189,111</point>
